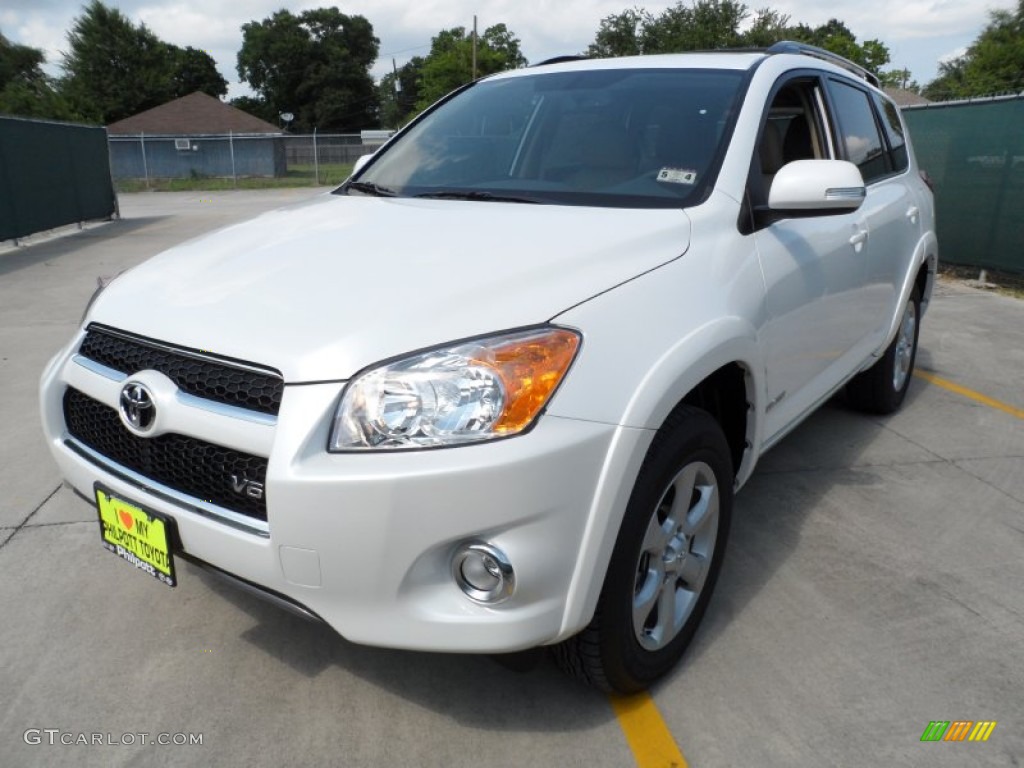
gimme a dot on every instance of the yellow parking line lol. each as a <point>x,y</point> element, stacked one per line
<point>977,397</point>
<point>646,732</point>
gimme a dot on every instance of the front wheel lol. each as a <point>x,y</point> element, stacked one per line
<point>882,387</point>
<point>665,562</point>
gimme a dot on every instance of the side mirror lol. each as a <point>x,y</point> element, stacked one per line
<point>817,187</point>
<point>360,163</point>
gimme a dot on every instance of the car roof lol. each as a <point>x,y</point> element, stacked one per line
<point>738,60</point>
<point>734,60</point>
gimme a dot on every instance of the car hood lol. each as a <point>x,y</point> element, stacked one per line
<point>324,289</point>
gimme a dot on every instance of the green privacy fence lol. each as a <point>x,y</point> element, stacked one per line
<point>52,174</point>
<point>974,152</point>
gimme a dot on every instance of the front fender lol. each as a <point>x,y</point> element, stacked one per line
<point>656,391</point>
<point>646,344</point>
<point>692,359</point>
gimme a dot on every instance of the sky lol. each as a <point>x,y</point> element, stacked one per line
<point>919,33</point>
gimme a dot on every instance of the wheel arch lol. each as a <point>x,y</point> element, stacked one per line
<point>722,359</point>
<point>921,274</point>
<point>725,379</point>
<point>927,270</point>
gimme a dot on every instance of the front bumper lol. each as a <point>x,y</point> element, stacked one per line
<point>365,541</point>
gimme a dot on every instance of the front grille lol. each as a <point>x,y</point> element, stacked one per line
<point>192,372</point>
<point>193,467</point>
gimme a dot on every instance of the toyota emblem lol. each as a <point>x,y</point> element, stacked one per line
<point>137,409</point>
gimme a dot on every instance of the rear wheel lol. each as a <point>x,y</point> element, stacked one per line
<point>665,562</point>
<point>882,387</point>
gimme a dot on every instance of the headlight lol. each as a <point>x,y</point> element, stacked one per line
<point>478,390</point>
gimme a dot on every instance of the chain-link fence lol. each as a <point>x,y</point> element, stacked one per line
<point>240,159</point>
<point>974,153</point>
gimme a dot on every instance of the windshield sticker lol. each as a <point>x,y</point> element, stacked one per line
<point>677,176</point>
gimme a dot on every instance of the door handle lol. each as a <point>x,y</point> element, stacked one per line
<point>912,212</point>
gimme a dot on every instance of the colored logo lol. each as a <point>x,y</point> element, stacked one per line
<point>958,730</point>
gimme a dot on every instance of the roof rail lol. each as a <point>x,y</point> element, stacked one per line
<point>791,46</point>
<point>560,60</point>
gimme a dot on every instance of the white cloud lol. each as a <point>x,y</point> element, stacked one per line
<point>953,55</point>
<point>184,24</point>
<point>37,31</point>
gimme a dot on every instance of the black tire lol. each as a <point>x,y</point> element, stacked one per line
<point>882,387</point>
<point>612,653</point>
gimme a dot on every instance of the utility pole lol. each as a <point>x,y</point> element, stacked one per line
<point>398,95</point>
<point>474,46</point>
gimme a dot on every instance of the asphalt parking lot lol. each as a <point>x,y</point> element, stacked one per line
<point>872,585</point>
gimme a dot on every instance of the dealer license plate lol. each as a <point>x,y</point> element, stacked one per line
<point>136,535</point>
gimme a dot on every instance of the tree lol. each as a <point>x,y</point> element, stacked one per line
<point>994,62</point>
<point>899,78</point>
<point>314,65</point>
<point>951,82</point>
<point>619,34</point>
<point>501,49</point>
<point>195,70</point>
<point>450,61</point>
<point>835,36</point>
<point>399,92</point>
<point>768,27</point>
<point>19,63</point>
<point>712,24</point>
<point>255,106</point>
<point>25,90</point>
<point>114,69</point>
<point>703,26</point>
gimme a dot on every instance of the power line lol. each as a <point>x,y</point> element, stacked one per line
<point>404,50</point>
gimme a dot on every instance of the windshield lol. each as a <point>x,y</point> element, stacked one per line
<point>614,138</point>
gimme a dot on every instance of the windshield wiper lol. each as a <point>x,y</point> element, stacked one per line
<point>476,194</point>
<point>370,188</point>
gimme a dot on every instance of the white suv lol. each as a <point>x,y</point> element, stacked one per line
<point>498,389</point>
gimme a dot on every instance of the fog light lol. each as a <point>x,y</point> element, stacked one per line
<point>483,572</point>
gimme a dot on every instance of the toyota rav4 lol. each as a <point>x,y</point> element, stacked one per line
<point>497,390</point>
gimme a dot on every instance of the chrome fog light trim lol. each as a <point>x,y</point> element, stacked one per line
<point>483,572</point>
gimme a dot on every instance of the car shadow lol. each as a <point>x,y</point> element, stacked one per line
<point>535,696</point>
<point>766,531</point>
<point>34,253</point>
<point>769,514</point>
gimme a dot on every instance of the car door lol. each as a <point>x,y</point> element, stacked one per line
<point>871,136</point>
<point>815,267</point>
<point>891,256</point>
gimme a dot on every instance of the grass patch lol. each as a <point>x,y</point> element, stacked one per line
<point>1006,283</point>
<point>297,176</point>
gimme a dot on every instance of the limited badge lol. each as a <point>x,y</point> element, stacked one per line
<point>677,176</point>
